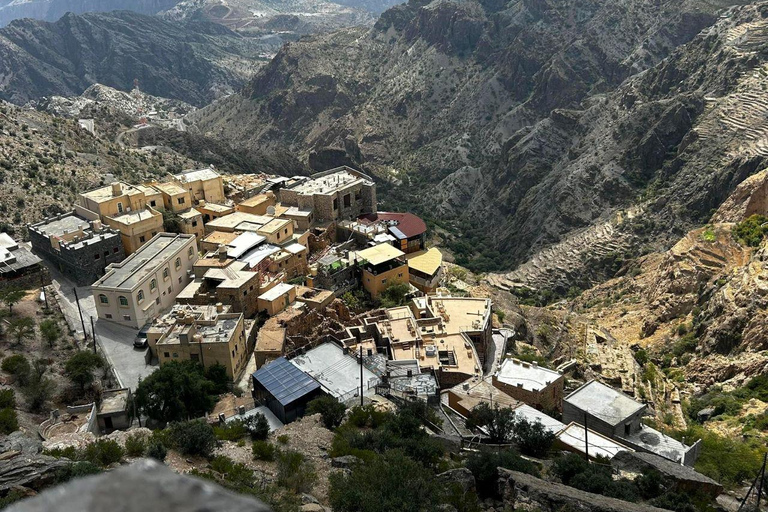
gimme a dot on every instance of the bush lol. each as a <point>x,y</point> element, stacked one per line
<point>484,466</point>
<point>257,426</point>
<point>79,368</point>
<point>283,439</point>
<point>331,410</point>
<point>18,366</point>
<point>156,450</point>
<point>294,472</point>
<point>532,438</point>
<point>75,470</point>
<point>102,452</point>
<point>7,398</point>
<point>136,444</point>
<point>595,478</point>
<point>175,392</point>
<point>9,421</point>
<point>264,450</point>
<point>217,374</point>
<point>231,431</point>
<point>194,437</point>
<point>750,232</point>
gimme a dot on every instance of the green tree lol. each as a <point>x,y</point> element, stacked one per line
<point>532,437</point>
<point>484,466</point>
<point>50,330</point>
<point>389,482</point>
<point>176,391</point>
<point>18,366</point>
<point>331,410</point>
<point>21,329</point>
<point>217,374</point>
<point>8,421</point>
<point>498,421</point>
<point>295,472</point>
<point>172,222</point>
<point>751,230</point>
<point>394,295</point>
<point>79,368</point>
<point>193,437</point>
<point>11,297</point>
<point>39,388</point>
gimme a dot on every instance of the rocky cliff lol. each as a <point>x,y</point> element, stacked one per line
<point>194,62</point>
<point>578,133</point>
<point>52,10</point>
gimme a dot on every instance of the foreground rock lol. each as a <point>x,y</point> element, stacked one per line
<point>143,486</point>
<point>32,471</point>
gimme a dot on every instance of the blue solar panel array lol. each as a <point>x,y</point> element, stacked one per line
<point>284,381</point>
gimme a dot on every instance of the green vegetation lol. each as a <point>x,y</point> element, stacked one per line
<point>80,367</point>
<point>193,437</point>
<point>156,450</point>
<point>394,295</point>
<point>255,426</point>
<point>295,472</point>
<point>21,329</point>
<point>750,232</point>
<point>102,452</point>
<point>484,464</point>
<point>9,421</point>
<point>11,297</point>
<point>136,444</point>
<point>263,450</point>
<point>331,410</point>
<point>729,403</point>
<point>18,366</point>
<point>503,427</point>
<point>172,222</point>
<point>176,391</point>
<point>708,235</point>
<point>50,330</point>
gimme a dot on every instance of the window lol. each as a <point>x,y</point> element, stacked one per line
<point>167,354</point>
<point>123,301</point>
<point>175,354</point>
<point>140,296</point>
<point>347,201</point>
<point>106,253</point>
<point>286,231</point>
<point>115,250</point>
<point>180,200</point>
<point>153,285</point>
<point>154,233</point>
<point>335,204</point>
<point>97,256</point>
<point>103,299</point>
<point>191,252</point>
<point>383,281</point>
<point>627,429</point>
<point>194,223</point>
<point>178,263</point>
<point>153,203</point>
<point>165,273</point>
<point>119,207</point>
<point>142,238</point>
<point>157,300</point>
<point>169,289</point>
<point>127,318</point>
<point>245,292</point>
<point>108,316</point>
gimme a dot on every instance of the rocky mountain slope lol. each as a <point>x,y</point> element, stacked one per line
<point>526,124</point>
<point>195,62</point>
<point>52,10</point>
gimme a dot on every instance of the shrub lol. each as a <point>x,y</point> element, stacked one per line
<point>18,366</point>
<point>363,416</point>
<point>283,439</point>
<point>79,368</point>
<point>194,437</point>
<point>331,410</point>
<point>532,438</point>
<point>257,426</point>
<point>641,356</point>
<point>136,444</point>
<point>7,398</point>
<point>750,232</point>
<point>9,421</point>
<point>484,466</point>
<point>264,450</point>
<point>231,431</point>
<point>294,472</point>
<point>595,478</point>
<point>75,470</point>
<point>156,450</point>
<point>102,452</point>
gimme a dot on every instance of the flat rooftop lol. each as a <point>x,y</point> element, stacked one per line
<point>259,254</point>
<point>114,401</point>
<point>427,262</point>
<point>231,277</point>
<point>105,193</point>
<point>197,175</point>
<point>274,225</point>
<point>329,183</point>
<point>604,402</point>
<point>338,373</point>
<point>276,292</point>
<point>135,217</point>
<point>190,214</point>
<point>379,254</point>
<point>532,416</point>
<point>528,376</point>
<point>220,329</point>
<point>573,437</point>
<point>452,353</point>
<point>258,199</point>
<point>171,189</point>
<point>217,208</point>
<point>243,243</point>
<point>461,314</point>
<point>656,442</point>
<point>481,391</point>
<point>62,225</point>
<point>221,237</point>
<point>232,220</point>
<point>145,261</point>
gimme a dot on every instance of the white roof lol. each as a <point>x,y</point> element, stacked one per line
<point>295,248</point>
<point>6,242</point>
<point>243,243</point>
<point>258,254</point>
<point>573,436</point>
<point>528,376</point>
<point>603,402</point>
<point>532,416</point>
<point>276,292</point>
<point>197,174</point>
<point>338,373</point>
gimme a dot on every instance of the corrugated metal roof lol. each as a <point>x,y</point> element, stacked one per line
<point>285,381</point>
<point>380,254</point>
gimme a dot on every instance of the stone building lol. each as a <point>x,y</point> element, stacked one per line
<point>530,383</point>
<point>114,411</point>
<point>79,248</point>
<point>137,290</point>
<point>203,185</point>
<point>341,193</point>
<point>19,268</point>
<point>381,266</point>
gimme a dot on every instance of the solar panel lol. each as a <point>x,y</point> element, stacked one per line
<point>284,381</point>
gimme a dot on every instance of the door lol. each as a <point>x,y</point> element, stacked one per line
<point>108,424</point>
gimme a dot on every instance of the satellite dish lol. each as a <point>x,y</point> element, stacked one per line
<point>271,210</point>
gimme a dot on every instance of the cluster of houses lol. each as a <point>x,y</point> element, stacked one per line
<point>252,272</point>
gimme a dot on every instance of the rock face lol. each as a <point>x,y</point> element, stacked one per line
<point>51,10</point>
<point>192,61</point>
<point>33,471</point>
<point>525,492</point>
<point>586,130</point>
<point>142,486</point>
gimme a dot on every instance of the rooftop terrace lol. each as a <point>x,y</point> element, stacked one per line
<point>528,376</point>
<point>329,183</point>
<point>604,402</point>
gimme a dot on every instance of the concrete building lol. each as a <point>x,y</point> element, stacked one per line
<point>530,383</point>
<point>212,211</point>
<point>203,185</point>
<point>277,231</point>
<point>302,218</point>
<point>333,195</point>
<point>79,248</point>
<point>175,198</point>
<point>277,298</point>
<point>575,438</point>
<point>258,204</point>
<point>381,266</point>
<point>425,269</point>
<point>19,268</point>
<point>336,370</point>
<point>464,397</point>
<point>285,389</point>
<point>208,336</point>
<point>615,415</point>
<point>213,240</point>
<point>114,411</point>
<point>138,289</point>
<point>192,223</point>
<point>125,208</point>
<point>237,221</point>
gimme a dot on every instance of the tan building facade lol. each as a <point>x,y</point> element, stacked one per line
<point>203,185</point>
<point>136,290</point>
<point>382,266</point>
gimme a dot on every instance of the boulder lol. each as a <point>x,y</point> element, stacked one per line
<point>345,462</point>
<point>461,476</point>
<point>18,441</point>
<point>34,471</point>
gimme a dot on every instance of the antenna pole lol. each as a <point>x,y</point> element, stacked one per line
<point>361,374</point>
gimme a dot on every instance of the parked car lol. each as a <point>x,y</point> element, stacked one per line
<point>141,338</point>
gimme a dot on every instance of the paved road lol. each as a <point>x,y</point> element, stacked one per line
<point>116,341</point>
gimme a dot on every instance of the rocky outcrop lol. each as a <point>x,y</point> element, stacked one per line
<point>52,10</point>
<point>144,485</point>
<point>30,470</point>
<point>526,492</point>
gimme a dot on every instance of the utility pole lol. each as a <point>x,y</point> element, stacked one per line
<point>361,375</point>
<point>77,301</point>
<point>586,438</point>
<point>93,332</point>
<point>757,482</point>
